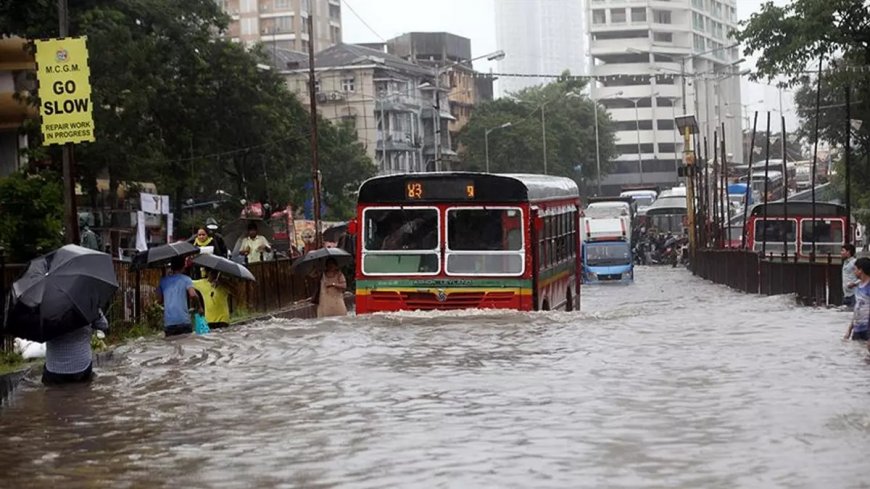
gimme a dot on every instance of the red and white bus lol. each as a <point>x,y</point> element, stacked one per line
<point>779,231</point>
<point>440,241</point>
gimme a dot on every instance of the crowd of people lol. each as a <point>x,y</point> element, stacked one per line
<point>187,289</point>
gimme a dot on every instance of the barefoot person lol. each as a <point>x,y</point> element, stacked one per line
<point>332,287</point>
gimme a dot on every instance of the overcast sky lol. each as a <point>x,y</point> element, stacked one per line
<point>475,19</point>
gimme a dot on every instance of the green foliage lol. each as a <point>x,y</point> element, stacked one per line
<point>570,133</point>
<point>178,105</point>
<point>150,324</point>
<point>30,214</point>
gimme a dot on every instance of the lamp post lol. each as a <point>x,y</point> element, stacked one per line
<point>440,70</point>
<point>635,101</point>
<point>597,143</point>
<point>486,141</point>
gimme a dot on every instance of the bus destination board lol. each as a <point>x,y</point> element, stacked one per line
<point>446,190</point>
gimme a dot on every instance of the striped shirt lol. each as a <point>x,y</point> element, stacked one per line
<point>72,353</point>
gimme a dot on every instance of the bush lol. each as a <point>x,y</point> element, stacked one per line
<point>31,214</point>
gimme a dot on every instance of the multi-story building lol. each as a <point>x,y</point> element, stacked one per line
<point>642,55</point>
<point>283,24</point>
<point>451,54</point>
<point>15,63</point>
<point>390,102</point>
<point>539,37</point>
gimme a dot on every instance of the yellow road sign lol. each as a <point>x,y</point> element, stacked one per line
<point>64,90</point>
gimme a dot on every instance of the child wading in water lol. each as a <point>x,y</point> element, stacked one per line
<point>859,328</point>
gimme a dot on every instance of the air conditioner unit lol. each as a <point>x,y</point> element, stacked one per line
<point>322,97</point>
<point>336,96</point>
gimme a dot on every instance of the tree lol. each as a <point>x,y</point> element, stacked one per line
<point>570,129</point>
<point>177,104</point>
<point>837,34</point>
<point>30,214</point>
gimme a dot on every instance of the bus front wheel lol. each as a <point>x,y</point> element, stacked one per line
<point>569,302</point>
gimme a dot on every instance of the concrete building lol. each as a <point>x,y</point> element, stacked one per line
<point>439,50</point>
<point>282,24</point>
<point>539,37</point>
<point>638,52</point>
<point>389,100</point>
<point>15,62</point>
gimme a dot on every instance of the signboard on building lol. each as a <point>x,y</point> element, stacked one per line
<point>64,90</point>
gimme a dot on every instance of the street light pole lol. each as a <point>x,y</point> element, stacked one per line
<point>637,125</point>
<point>597,149</point>
<point>486,140</point>
<point>544,136</point>
<point>440,70</point>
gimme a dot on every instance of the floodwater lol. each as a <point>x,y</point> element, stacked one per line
<point>670,382</point>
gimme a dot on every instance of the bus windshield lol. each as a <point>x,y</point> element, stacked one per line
<point>486,241</point>
<point>607,254</point>
<point>401,241</point>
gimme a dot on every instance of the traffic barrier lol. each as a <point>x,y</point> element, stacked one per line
<point>814,283</point>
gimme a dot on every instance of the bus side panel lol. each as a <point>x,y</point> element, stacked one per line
<point>533,261</point>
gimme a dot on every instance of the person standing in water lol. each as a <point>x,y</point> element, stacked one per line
<point>332,287</point>
<point>859,328</point>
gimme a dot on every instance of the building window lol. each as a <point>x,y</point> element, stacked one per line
<point>665,125</point>
<point>638,15</point>
<point>617,16</point>
<point>599,17</point>
<point>662,16</point>
<point>249,27</point>
<point>306,6</point>
<point>700,43</point>
<point>698,4</point>
<point>284,24</point>
<point>667,147</point>
<point>317,86</point>
<point>334,12</point>
<point>663,37</point>
<point>348,84</point>
<point>335,34</point>
<point>282,4</point>
<point>698,21</point>
<point>304,47</point>
<point>305,25</point>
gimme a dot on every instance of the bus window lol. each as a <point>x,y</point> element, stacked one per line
<point>392,236</point>
<point>829,236</point>
<point>775,232</point>
<point>484,241</point>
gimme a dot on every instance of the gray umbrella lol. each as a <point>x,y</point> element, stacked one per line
<point>224,266</point>
<point>60,292</point>
<point>161,255</point>
<point>317,258</point>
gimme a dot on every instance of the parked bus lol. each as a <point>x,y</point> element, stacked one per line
<point>669,212</point>
<point>775,232</point>
<point>775,184</point>
<point>437,241</point>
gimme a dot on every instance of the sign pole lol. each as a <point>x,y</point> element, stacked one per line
<point>70,214</point>
<point>315,171</point>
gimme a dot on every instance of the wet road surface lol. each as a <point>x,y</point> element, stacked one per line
<point>670,382</point>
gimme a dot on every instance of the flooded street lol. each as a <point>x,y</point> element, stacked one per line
<point>670,382</point>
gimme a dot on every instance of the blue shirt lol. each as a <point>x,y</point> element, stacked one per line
<point>861,317</point>
<point>173,288</point>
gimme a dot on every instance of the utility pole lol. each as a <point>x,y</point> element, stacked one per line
<point>437,119</point>
<point>597,148</point>
<point>70,214</point>
<point>315,171</point>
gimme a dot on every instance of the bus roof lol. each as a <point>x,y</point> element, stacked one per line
<point>801,208</point>
<point>667,204</point>
<point>466,186</point>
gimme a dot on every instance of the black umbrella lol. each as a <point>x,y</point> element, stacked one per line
<point>224,266</point>
<point>317,258</point>
<point>334,233</point>
<point>60,292</point>
<point>239,229</point>
<point>159,255</point>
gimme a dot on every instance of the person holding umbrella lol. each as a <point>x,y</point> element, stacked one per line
<point>69,358</point>
<point>59,300</point>
<point>254,246</point>
<point>215,297</point>
<point>332,287</point>
<point>173,294</point>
